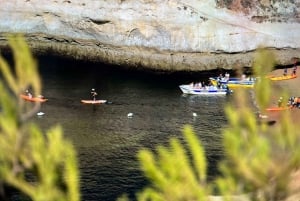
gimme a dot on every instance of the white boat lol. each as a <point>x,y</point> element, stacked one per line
<point>207,90</point>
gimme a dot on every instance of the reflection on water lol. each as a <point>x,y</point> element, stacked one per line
<point>107,140</point>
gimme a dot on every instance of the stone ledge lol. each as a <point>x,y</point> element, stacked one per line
<point>148,58</point>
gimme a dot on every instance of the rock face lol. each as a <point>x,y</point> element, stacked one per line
<point>194,35</point>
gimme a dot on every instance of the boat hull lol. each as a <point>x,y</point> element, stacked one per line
<point>187,89</point>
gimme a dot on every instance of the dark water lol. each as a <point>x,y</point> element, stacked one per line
<point>107,141</point>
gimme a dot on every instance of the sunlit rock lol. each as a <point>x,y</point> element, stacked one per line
<point>193,35</point>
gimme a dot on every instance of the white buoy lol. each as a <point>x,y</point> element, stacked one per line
<point>130,115</point>
<point>195,114</point>
<point>40,113</point>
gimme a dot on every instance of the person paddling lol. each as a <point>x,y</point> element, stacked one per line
<point>94,94</point>
<point>28,93</point>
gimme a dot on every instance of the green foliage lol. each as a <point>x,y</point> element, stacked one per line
<point>253,151</point>
<point>174,174</point>
<point>264,63</point>
<point>41,166</point>
<point>258,159</point>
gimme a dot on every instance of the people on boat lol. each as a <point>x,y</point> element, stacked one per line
<point>285,72</point>
<point>220,78</point>
<point>227,75</point>
<point>28,93</point>
<point>197,85</point>
<point>94,94</point>
<point>243,77</point>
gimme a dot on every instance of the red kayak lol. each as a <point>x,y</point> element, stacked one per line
<point>278,108</point>
<point>33,99</point>
<point>93,101</point>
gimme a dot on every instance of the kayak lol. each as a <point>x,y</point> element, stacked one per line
<point>240,85</point>
<point>278,108</point>
<point>33,99</point>
<point>93,101</point>
<point>279,78</point>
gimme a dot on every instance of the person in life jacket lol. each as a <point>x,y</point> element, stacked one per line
<point>294,102</point>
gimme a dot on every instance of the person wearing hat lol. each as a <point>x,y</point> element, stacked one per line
<point>94,94</point>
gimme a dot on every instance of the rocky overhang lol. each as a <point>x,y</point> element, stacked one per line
<point>171,35</point>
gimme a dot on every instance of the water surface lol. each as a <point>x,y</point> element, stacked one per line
<point>107,141</point>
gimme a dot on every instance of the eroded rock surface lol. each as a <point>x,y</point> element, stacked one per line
<point>193,35</point>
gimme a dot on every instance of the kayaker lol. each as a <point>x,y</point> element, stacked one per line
<point>28,93</point>
<point>296,102</point>
<point>94,94</point>
<point>291,101</point>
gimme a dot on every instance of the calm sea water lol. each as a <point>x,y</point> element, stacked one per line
<point>107,141</point>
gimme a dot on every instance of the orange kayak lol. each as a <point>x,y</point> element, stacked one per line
<point>93,101</point>
<point>279,78</point>
<point>33,99</point>
<point>278,108</point>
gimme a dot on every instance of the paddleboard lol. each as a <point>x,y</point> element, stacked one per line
<point>40,113</point>
<point>93,101</point>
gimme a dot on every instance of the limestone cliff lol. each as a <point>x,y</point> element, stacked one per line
<point>193,35</point>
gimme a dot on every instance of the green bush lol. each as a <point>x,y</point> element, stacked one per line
<point>49,159</point>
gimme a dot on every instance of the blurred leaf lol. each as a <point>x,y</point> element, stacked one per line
<point>48,160</point>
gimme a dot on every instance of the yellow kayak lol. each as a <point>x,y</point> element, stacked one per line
<point>240,85</point>
<point>279,78</point>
